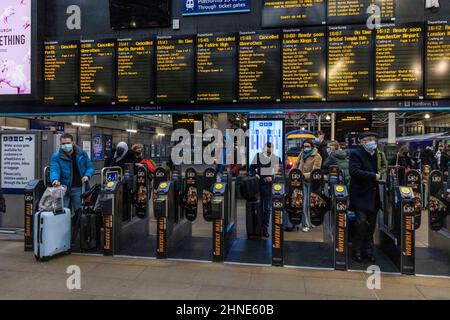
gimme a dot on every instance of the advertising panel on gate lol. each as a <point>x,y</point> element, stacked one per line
<point>15,47</point>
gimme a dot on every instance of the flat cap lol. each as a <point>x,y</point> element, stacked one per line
<point>367,134</point>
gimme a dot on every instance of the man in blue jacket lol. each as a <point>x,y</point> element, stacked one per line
<point>364,194</point>
<point>70,166</point>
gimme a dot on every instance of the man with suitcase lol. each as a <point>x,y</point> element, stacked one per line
<point>71,166</point>
<point>264,166</point>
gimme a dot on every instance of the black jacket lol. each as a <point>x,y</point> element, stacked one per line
<point>323,151</point>
<point>337,158</point>
<point>130,157</point>
<point>364,189</point>
<point>445,159</point>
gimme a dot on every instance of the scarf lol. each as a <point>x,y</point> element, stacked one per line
<point>307,154</point>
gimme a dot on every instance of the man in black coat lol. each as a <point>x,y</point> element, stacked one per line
<point>364,195</point>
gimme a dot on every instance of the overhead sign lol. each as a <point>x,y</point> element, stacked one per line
<point>47,125</point>
<point>199,7</point>
<point>15,47</point>
<point>18,153</point>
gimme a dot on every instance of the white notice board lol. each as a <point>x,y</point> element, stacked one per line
<point>18,153</point>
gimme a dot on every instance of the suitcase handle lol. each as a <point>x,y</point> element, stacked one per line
<point>40,235</point>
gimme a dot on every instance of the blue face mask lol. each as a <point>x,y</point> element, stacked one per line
<point>307,150</point>
<point>67,148</point>
<point>371,145</point>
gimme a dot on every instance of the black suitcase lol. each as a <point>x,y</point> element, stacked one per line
<point>253,219</point>
<point>88,231</point>
<point>249,188</point>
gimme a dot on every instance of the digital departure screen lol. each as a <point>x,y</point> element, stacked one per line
<point>355,11</point>
<point>303,64</point>
<point>175,76</point>
<point>437,60</point>
<point>398,62</point>
<point>61,70</point>
<point>97,70</point>
<point>217,68</point>
<point>259,66</point>
<point>135,80</point>
<point>292,13</point>
<point>350,65</point>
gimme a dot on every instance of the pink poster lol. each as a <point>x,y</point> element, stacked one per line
<point>15,47</point>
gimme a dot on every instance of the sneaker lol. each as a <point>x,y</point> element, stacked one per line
<point>305,229</point>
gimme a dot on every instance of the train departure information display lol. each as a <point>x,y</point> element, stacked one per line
<point>259,66</point>
<point>303,64</point>
<point>398,62</point>
<point>217,68</point>
<point>437,60</point>
<point>292,13</point>
<point>135,81</point>
<point>350,63</point>
<point>175,74</point>
<point>97,69</point>
<point>61,70</point>
<point>358,11</point>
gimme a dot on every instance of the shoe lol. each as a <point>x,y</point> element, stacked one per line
<point>305,229</point>
<point>266,234</point>
<point>370,257</point>
<point>357,257</point>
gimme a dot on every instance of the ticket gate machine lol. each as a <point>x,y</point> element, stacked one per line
<point>339,223</point>
<point>164,211</point>
<point>278,206</point>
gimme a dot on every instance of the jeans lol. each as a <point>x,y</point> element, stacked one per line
<point>364,229</point>
<point>306,221</point>
<point>72,199</point>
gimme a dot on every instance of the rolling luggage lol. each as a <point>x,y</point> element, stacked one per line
<point>89,219</point>
<point>253,219</point>
<point>52,234</point>
<point>249,188</point>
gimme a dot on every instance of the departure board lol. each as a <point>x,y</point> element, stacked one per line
<point>259,66</point>
<point>135,80</point>
<point>303,64</point>
<point>355,11</point>
<point>292,13</point>
<point>398,62</point>
<point>61,70</point>
<point>175,73</point>
<point>437,60</point>
<point>217,68</point>
<point>97,70</point>
<point>350,74</point>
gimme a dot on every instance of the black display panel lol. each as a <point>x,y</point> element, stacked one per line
<point>355,11</point>
<point>217,68</point>
<point>398,61</point>
<point>187,121</point>
<point>303,64</point>
<point>350,67</point>
<point>61,70</point>
<point>97,71</point>
<point>437,60</point>
<point>130,14</point>
<point>352,123</point>
<point>259,66</point>
<point>293,13</point>
<point>175,74</point>
<point>135,79</point>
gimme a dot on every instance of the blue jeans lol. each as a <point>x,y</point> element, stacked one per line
<point>306,221</point>
<point>72,199</point>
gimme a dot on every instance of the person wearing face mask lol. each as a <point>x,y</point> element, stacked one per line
<point>445,159</point>
<point>308,161</point>
<point>70,166</point>
<point>364,194</point>
<point>337,157</point>
<point>138,150</point>
<point>120,156</point>
<point>321,145</point>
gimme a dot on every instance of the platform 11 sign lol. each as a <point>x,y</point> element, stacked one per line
<point>199,7</point>
<point>18,160</point>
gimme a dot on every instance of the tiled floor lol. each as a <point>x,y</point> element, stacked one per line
<point>21,277</point>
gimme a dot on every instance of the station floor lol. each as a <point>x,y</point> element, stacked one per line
<point>21,277</point>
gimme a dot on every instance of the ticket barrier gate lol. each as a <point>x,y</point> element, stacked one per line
<point>223,219</point>
<point>169,234</point>
<point>397,238</point>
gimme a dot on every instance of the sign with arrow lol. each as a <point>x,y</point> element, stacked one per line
<point>18,153</point>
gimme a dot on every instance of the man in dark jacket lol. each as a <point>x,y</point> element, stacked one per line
<point>364,194</point>
<point>321,145</point>
<point>120,156</point>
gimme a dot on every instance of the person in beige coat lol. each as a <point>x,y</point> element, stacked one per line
<point>308,160</point>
